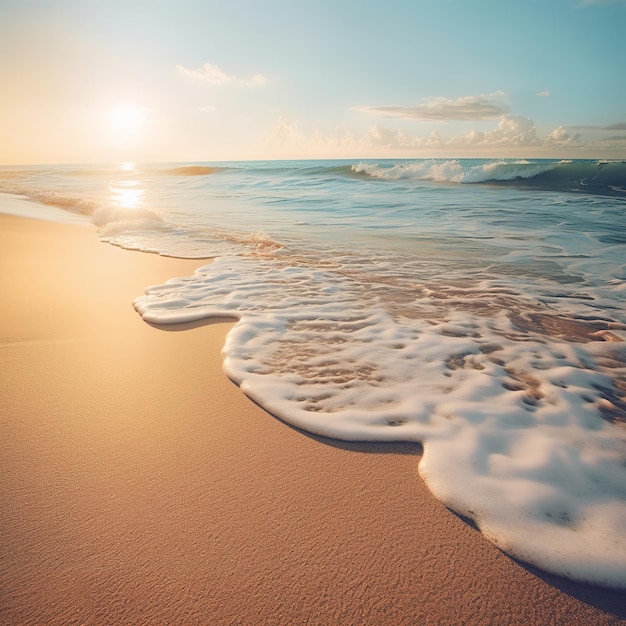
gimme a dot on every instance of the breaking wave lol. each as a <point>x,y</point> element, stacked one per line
<point>596,177</point>
<point>59,200</point>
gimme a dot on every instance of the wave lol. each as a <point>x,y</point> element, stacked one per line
<point>11,174</point>
<point>192,170</point>
<point>103,214</point>
<point>67,202</point>
<point>595,177</point>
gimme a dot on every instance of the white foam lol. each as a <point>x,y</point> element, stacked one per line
<point>20,206</point>
<point>455,171</point>
<point>512,431</point>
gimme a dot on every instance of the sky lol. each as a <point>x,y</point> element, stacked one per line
<point>84,81</point>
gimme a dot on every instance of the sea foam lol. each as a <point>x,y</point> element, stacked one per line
<point>513,423</point>
<point>593,177</point>
<point>455,171</point>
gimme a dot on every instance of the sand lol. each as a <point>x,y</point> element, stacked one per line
<point>138,485</point>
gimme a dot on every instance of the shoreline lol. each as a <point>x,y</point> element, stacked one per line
<point>140,486</point>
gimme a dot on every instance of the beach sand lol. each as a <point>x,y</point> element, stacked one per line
<point>138,485</point>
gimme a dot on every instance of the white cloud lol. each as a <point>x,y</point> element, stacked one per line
<point>435,139</point>
<point>383,137</point>
<point>258,79</point>
<point>514,133</point>
<point>286,137</point>
<point>285,131</point>
<point>543,94</point>
<point>208,72</point>
<point>467,108</point>
<point>215,76</point>
<point>513,130</point>
<point>560,137</point>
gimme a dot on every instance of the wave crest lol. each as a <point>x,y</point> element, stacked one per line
<point>192,170</point>
<point>455,171</point>
<point>593,177</point>
<point>68,202</point>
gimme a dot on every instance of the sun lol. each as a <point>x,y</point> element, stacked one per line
<point>126,119</point>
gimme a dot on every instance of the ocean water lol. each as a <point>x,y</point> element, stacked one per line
<point>477,307</point>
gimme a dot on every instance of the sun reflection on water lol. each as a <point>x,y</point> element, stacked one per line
<point>126,194</point>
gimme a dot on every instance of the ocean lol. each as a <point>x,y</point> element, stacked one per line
<point>474,306</point>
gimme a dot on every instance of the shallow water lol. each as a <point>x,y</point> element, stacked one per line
<point>474,306</point>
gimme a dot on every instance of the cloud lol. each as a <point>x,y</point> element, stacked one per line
<point>258,79</point>
<point>215,76</point>
<point>512,130</point>
<point>468,108</point>
<point>383,137</point>
<point>285,137</point>
<point>560,137</point>
<point>515,131</point>
<point>618,126</point>
<point>514,134</point>
<point>285,131</point>
<point>543,94</point>
<point>208,72</point>
<point>614,139</point>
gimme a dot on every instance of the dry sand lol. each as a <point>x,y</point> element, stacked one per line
<point>138,485</point>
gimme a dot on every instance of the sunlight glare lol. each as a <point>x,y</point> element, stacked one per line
<point>126,119</point>
<point>127,194</point>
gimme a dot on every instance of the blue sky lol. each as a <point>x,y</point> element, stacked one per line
<point>191,80</point>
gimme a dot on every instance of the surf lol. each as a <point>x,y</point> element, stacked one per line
<point>592,177</point>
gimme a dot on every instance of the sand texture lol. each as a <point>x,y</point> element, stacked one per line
<point>138,485</point>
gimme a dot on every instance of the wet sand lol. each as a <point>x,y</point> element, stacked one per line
<point>138,485</point>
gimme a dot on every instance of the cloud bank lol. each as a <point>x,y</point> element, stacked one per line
<point>513,134</point>
<point>467,108</point>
